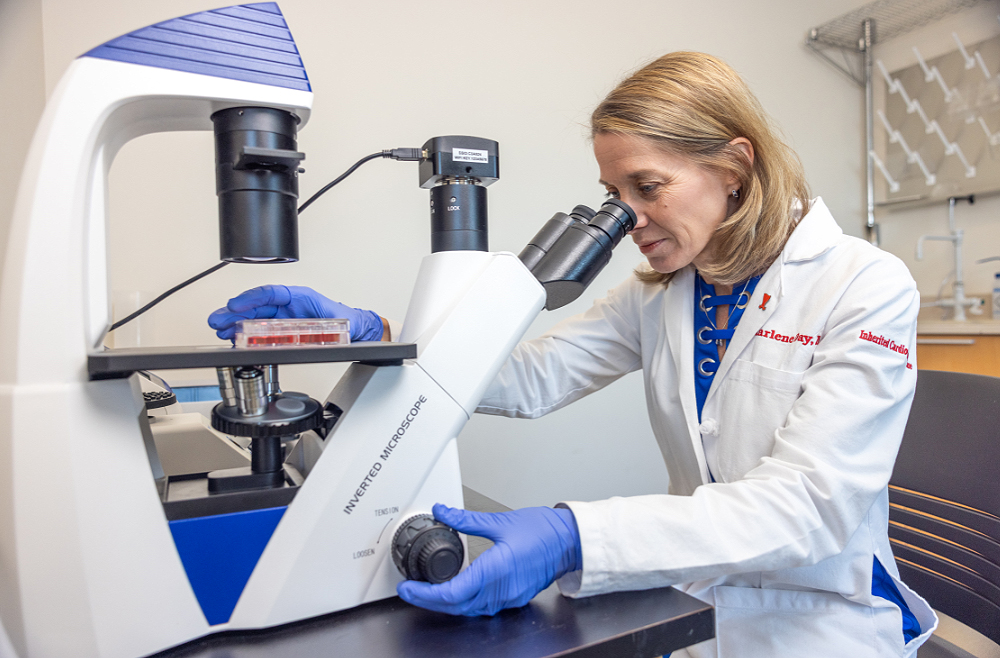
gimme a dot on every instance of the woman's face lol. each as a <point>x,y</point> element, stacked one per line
<point>678,204</point>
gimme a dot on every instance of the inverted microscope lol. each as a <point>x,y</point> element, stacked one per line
<point>320,506</point>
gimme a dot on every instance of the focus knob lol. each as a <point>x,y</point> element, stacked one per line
<point>428,550</point>
<point>440,560</point>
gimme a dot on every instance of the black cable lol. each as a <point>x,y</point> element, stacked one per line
<point>404,154</point>
<point>339,178</point>
<point>167,294</point>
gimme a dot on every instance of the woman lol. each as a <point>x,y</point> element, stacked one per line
<point>775,357</point>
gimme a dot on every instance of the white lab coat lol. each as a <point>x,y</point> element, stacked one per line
<point>800,431</point>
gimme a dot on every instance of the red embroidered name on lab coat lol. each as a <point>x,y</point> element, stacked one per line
<point>781,338</point>
<point>882,341</point>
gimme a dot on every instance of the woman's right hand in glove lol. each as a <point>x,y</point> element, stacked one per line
<point>276,301</point>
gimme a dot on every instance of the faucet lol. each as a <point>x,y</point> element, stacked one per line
<point>958,301</point>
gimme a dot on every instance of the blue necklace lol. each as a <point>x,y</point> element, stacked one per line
<point>707,336</point>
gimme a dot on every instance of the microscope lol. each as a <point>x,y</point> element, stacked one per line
<point>105,554</point>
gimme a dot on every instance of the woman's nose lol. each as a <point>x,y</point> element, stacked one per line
<point>640,220</point>
<point>637,209</point>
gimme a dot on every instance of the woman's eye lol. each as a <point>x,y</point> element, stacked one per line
<point>611,194</point>
<point>647,189</point>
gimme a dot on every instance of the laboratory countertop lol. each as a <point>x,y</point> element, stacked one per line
<point>929,323</point>
<point>646,623</point>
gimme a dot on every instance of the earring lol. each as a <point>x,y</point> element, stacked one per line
<point>736,194</point>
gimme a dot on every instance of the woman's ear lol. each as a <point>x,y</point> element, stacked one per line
<point>744,145</point>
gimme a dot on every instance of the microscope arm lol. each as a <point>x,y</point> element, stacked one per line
<point>393,450</point>
<point>392,453</point>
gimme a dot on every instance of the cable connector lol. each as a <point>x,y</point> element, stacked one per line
<point>406,155</point>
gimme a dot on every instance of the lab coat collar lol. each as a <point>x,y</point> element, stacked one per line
<point>680,295</point>
<point>815,234</point>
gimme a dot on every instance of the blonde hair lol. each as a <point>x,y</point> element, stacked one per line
<point>694,104</point>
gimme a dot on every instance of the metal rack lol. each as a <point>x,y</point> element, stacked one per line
<point>846,43</point>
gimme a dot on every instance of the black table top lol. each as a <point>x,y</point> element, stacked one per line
<point>643,623</point>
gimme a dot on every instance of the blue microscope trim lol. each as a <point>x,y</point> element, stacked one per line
<point>220,552</point>
<point>246,42</point>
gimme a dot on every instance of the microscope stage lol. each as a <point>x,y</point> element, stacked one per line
<point>122,362</point>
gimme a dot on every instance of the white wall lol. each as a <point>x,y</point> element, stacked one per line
<point>22,95</point>
<point>901,227</point>
<point>394,73</point>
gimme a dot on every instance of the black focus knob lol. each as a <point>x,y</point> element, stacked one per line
<point>428,550</point>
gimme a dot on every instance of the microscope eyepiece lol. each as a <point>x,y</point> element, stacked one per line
<point>570,250</point>
<point>615,218</point>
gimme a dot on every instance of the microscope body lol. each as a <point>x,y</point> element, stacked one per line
<point>94,564</point>
<point>90,563</point>
<point>393,453</point>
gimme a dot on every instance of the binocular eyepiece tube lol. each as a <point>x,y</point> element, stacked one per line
<point>570,250</point>
<point>552,231</point>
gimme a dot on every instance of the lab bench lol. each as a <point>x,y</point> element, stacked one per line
<point>972,346</point>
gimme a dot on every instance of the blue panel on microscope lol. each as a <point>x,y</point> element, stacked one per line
<point>220,552</point>
<point>247,42</point>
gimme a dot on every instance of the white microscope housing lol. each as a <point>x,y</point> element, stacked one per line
<point>94,563</point>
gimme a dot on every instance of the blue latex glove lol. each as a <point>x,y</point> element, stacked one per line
<point>291,302</point>
<point>533,547</point>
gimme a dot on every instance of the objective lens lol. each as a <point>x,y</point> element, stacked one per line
<point>251,392</point>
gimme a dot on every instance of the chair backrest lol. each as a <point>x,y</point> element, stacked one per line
<point>944,496</point>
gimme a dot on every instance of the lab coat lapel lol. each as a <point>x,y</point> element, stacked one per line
<point>815,234</point>
<point>680,338</point>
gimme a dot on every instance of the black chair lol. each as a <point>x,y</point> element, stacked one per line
<point>944,496</point>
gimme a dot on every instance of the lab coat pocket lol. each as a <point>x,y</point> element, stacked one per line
<point>753,401</point>
<point>774,623</point>
<point>925,615</point>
